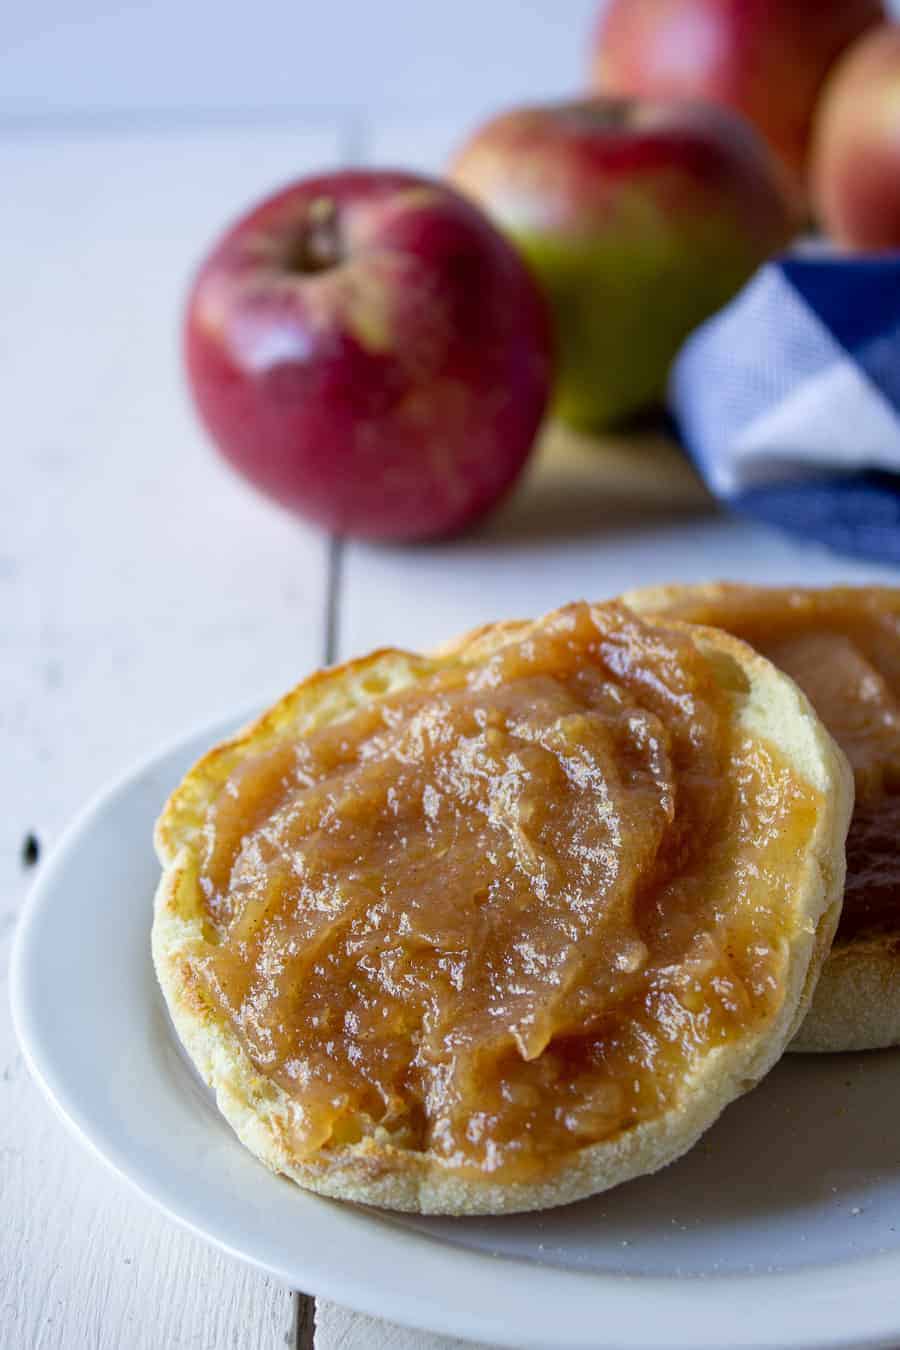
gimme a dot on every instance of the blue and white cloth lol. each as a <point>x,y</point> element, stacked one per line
<point>789,400</point>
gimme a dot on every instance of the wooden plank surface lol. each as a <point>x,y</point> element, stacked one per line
<point>143,590</point>
<point>340,1329</point>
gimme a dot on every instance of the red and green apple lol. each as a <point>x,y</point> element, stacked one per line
<point>640,219</point>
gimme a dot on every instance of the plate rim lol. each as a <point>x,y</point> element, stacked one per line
<point>729,1304</point>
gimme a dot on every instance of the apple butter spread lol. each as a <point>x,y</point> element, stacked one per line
<point>842,646</point>
<point>499,912</point>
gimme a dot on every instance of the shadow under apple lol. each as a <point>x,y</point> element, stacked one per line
<point>579,484</point>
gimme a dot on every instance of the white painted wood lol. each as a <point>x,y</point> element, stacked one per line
<point>424,144</point>
<point>408,54</point>
<point>142,590</point>
<point>338,1328</point>
<point>519,567</point>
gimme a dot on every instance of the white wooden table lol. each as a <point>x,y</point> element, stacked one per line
<point>144,590</point>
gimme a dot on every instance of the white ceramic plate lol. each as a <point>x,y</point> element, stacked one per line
<point>781,1229</point>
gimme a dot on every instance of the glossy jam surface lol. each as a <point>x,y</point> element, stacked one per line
<point>499,912</point>
<point>842,646</point>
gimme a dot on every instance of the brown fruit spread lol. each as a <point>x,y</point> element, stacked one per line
<point>498,914</point>
<point>842,646</point>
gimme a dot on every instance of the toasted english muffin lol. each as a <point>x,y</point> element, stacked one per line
<point>574,981</point>
<point>854,684</point>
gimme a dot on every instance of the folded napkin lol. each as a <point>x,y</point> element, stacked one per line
<point>789,400</point>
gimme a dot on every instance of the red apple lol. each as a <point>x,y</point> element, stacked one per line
<point>370,351</point>
<point>856,148</point>
<point>639,219</point>
<point>764,58</point>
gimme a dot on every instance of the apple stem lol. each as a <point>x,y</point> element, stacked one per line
<point>319,246</point>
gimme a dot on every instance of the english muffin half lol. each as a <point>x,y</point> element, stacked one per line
<point>842,646</point>
<point>501,927</point>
